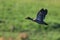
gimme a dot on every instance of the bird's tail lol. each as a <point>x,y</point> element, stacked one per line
<point>29,18</point>
<point>45,23</point>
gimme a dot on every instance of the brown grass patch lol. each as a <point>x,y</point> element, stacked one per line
<point>10,38</point>
<point>1,38</point>
<point>22,36</point>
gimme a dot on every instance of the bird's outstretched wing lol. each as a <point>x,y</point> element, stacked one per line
<point>41,15</point>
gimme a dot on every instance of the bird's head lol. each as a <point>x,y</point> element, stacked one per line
<point>29,18</point>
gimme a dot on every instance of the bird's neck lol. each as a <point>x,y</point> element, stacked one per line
<point>31,19</point>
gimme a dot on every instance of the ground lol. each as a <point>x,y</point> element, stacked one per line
<point>14,12</point>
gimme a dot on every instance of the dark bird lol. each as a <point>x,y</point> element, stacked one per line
<point>40,17</point>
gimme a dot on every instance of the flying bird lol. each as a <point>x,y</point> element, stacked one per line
<point>40,17</point>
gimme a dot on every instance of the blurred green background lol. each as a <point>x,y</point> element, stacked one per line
<point>14,12</point>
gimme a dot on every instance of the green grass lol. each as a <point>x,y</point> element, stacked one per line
<point>14,12</point>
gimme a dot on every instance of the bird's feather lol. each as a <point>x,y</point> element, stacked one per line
<point>41,15</point>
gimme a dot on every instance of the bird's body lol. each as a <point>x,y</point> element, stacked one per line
<point>40,17</point>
